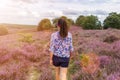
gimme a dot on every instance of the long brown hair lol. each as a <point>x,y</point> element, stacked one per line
<point>63,27</point>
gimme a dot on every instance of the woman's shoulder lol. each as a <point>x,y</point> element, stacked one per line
<point>54,34</point>
<point>69,34</point>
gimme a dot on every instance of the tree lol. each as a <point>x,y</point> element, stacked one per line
<point>71,22</point>
<point>68,20</point>
<point>55,20</point>
<point>44,24</point>
<point>88,22</point>
<point>80,20</point>
<point>112,21</point>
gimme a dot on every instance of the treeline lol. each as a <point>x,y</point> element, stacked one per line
<point>86,22</point>
<point>45,24</point>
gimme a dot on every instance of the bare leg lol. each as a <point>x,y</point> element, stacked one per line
<point>57,69</point>
<point>63,73</point>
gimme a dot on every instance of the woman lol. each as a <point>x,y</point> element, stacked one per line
<point>61,48</point>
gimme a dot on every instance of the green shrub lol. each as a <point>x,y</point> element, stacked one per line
<point>26,37</point>
<point>88,22</point>
<point>112,21</point>
<point>44,24</point>
<point>3,30</point>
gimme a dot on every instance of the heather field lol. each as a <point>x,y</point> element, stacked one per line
<point>24,54</point>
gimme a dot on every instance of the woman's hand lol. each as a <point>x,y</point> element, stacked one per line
<point>51,62</point>
<point>51,55</point>
<point>71,55</point>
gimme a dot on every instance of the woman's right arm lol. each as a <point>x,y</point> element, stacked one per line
<point>51,49</point>
<point>51,55</point>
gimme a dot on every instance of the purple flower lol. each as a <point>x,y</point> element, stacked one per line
<point>104,60</point>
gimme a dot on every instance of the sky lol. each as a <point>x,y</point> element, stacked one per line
<point>32,11</point>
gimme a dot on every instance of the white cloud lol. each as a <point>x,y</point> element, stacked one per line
<point>31,11</point>
<point>115,1</point>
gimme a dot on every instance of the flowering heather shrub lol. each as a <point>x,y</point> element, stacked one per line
<point>16,61</point>
<point>14,71</point>
<point>18,54</point>
<point>3,50</point>
<point>4,54</point>
<point>5,58</point>
<point>111,38</point>
<point>3,30</point>
<point>46,74</point>
<point>116,48</point>
<point>111,35</point>
<point>114,76</point>
<point>94,45</point>
<point>93,41</point>
<point>104,60</point>
<point>89,62</point>
<point>31,52</point>
<point>80,75</point>
<point>99,47</point>
<point>74,66</point>
<point>13,68</point>
<point>114,66</point>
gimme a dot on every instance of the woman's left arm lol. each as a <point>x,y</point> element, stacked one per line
<point>71,47</point>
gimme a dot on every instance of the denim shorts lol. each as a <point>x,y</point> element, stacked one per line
<point>60,61</point>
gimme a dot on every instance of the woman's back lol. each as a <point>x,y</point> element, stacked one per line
<point>61,46</point>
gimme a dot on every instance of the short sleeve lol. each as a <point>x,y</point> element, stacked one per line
<point>71,45</point>
<point>51,44</point>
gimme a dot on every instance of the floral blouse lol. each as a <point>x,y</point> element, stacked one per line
<point>61,47</point>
